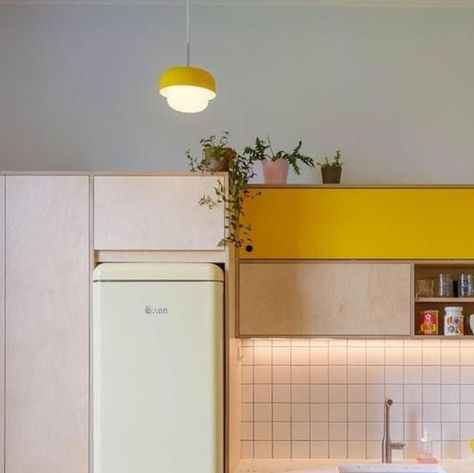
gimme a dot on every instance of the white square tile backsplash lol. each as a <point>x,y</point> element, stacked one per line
<point>305,398</point>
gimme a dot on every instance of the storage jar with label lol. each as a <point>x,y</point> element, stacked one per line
<point>428,322</point>
<point>453,321</point>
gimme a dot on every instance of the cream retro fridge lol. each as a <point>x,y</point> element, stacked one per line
<point>157,368</point>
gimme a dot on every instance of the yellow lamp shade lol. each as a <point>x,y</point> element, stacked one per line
<point>187,89</point>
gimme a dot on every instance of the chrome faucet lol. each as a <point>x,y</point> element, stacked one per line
<point>387,444</point>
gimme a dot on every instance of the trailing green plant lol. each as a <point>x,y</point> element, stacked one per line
<point>240,169</point>
<point>263,150</point>
<point>334,163</point>
<point>216,154</point>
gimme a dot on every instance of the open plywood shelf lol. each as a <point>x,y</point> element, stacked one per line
<point>431,270</point>
<point>445,300</point>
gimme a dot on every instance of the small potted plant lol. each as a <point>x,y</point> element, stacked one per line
<point>240,169</point>
<point>216,154</point>
<point>275,165</point>
<point>331,170</point>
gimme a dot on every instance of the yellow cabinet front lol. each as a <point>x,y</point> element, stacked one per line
<point>361,223</point>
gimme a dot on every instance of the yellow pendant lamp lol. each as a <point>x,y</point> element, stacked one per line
<point>187,89</point>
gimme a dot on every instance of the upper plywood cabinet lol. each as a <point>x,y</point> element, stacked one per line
<point>361,223</point>
<point>156,213</point>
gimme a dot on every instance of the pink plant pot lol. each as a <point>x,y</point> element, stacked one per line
<point>275,172</point>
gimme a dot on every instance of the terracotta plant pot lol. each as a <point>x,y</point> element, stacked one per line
<point>275,172</point>
<point>218,159</point>
<point>331,174</point>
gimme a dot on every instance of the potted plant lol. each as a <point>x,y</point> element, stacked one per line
<point>240,169</point>
<point>275,165</point>
<point>216,154</point>
<point>331,170</point>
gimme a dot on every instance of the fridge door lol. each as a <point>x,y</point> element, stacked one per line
<point>158,381</point>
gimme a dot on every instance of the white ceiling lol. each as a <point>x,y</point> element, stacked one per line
<point>363,3</point>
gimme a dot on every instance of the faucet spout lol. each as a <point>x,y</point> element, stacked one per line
<point>387,444</point>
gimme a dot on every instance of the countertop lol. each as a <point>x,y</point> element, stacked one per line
<point>330,466</point>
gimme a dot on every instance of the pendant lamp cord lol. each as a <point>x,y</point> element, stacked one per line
<point>188,43</point>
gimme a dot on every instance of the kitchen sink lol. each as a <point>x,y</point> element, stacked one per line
<point>390,468</point>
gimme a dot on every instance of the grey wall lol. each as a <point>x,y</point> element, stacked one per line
<point>392,87</point>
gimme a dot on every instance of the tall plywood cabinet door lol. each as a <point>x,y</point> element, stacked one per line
<point>312,298</point>
<point>47,324</point>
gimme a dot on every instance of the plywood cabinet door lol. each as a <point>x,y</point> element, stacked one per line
<point>359,223</point>
<point>156,213</point>
<point>47,324</point>
<point>311,298</point>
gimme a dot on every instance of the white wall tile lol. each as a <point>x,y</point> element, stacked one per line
<point>394,355</point>
<point>300,393</point>
<point>432,374</point>
<point>413,393</point>
<point>319,393</point>
<point>393,374</point>
<point>337,355</point>
<point>262,374</point>
<point>356,412</point>
<point>338,393</point>
<point>300,430</point>
<point>319,430</point>
<point>281,431</point>
<point>300,355</point>
<point>413,374</point>
<point>319,449</point>
<point>281,393</point>
<point>356,431</point>
<point>338,374</point>
<point>281,449</point>
<point>281,412</point>
<point>356,392</point>
<point>375,392</point>
<point>300,449</point>
<point>281,355</point>
<point>319,412</point>
<point>300,374</point>
<point>247,374</point>
<point>319,355</point>
<point>431,393</point>
<point>262,430</point>
<point>337,449</point>
<point>281,374</point>
<point>262,412</point>
<point>450,393</point>
<point>338,413</point>
<point>375,374</point>
<point>467,374</point>
<point>319,398</point>
<point>263,449</point>
<point>337,431</point>
<point>246,430</point>
<point>450,412</point>
<point>300,413</point>
<point>318,374</point>
<point>467,393</point>
<point>263,355</point>
<point>262,393</point>
<point>356,374</point>
<point>450,374</point>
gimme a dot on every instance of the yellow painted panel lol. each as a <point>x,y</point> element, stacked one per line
<point>361,223</point>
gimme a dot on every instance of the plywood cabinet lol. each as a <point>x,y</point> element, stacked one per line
<point>47,324</point>
<point>316,298</point>
<point>360,223</point>
<point>157,213</point>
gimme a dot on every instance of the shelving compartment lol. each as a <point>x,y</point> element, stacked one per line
<point>423,302</point>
